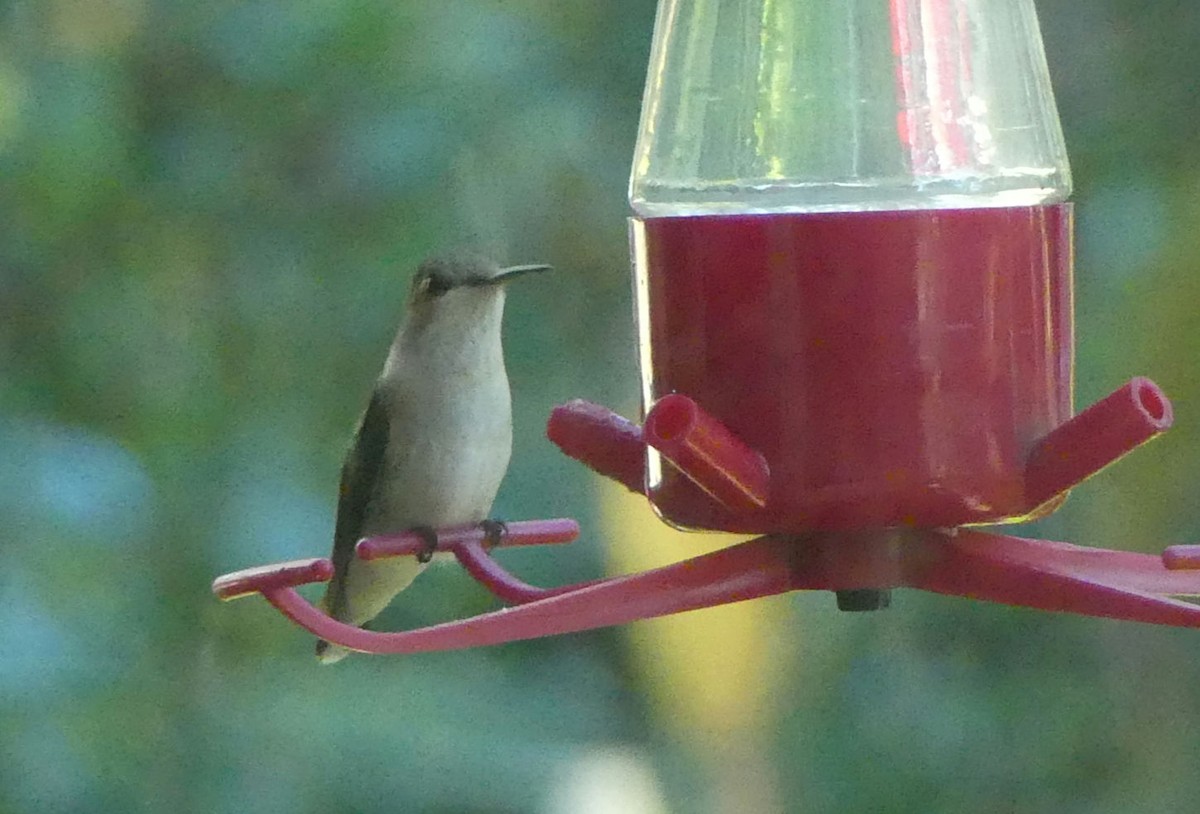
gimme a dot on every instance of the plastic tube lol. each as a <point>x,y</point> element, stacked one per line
<point>706,451</point>
<point>1101,434</point>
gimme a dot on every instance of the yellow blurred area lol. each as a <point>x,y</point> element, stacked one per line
<point>95,25</point>
<point>711,674</point>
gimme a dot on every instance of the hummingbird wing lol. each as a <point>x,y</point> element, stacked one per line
<point>360,474</point>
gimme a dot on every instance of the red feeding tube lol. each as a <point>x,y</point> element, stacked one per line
<point>1092,440</point>
<point>708,453</point>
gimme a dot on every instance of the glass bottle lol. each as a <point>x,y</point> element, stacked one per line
<point>852,245</point>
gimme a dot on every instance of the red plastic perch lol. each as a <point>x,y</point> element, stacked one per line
<point>267,578</point>
<point>1012,570</point>
<point>754,569</point>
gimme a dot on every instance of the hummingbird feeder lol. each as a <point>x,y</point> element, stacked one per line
<point>852,251</point>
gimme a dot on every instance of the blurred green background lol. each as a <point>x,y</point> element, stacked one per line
<point>208,215</point>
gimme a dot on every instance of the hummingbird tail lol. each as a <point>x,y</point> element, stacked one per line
<point>327,652</point>
<point>330,653</point>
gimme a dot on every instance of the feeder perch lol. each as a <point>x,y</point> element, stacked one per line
<point>852,251</point>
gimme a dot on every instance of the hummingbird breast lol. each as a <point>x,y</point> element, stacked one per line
<point>449,447</point>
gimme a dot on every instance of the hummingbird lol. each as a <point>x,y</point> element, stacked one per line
<point>435,440</point>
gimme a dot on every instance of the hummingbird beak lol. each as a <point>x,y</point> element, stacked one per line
<point>512,272</point>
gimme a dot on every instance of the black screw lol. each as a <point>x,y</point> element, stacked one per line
<point>864,599</point>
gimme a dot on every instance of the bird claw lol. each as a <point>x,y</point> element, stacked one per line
<point>494,532</point>
<point>429,535</point>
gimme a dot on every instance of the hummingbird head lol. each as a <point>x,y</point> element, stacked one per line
<point>454,301</point>
<point>457,277</point>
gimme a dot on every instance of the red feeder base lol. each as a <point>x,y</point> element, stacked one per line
<point>1038,574</point>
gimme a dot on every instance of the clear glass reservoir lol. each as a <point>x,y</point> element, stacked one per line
<point>840,105</point>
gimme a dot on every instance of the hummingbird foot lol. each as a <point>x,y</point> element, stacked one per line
<point>430,537</point>
<point>494,532</point>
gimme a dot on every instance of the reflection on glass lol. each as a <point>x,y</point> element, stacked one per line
<point>808,105</point>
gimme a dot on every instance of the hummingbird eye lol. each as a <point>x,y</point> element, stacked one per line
<point>432,285</point>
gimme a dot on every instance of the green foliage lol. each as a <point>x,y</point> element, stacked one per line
<point>208,213</point>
